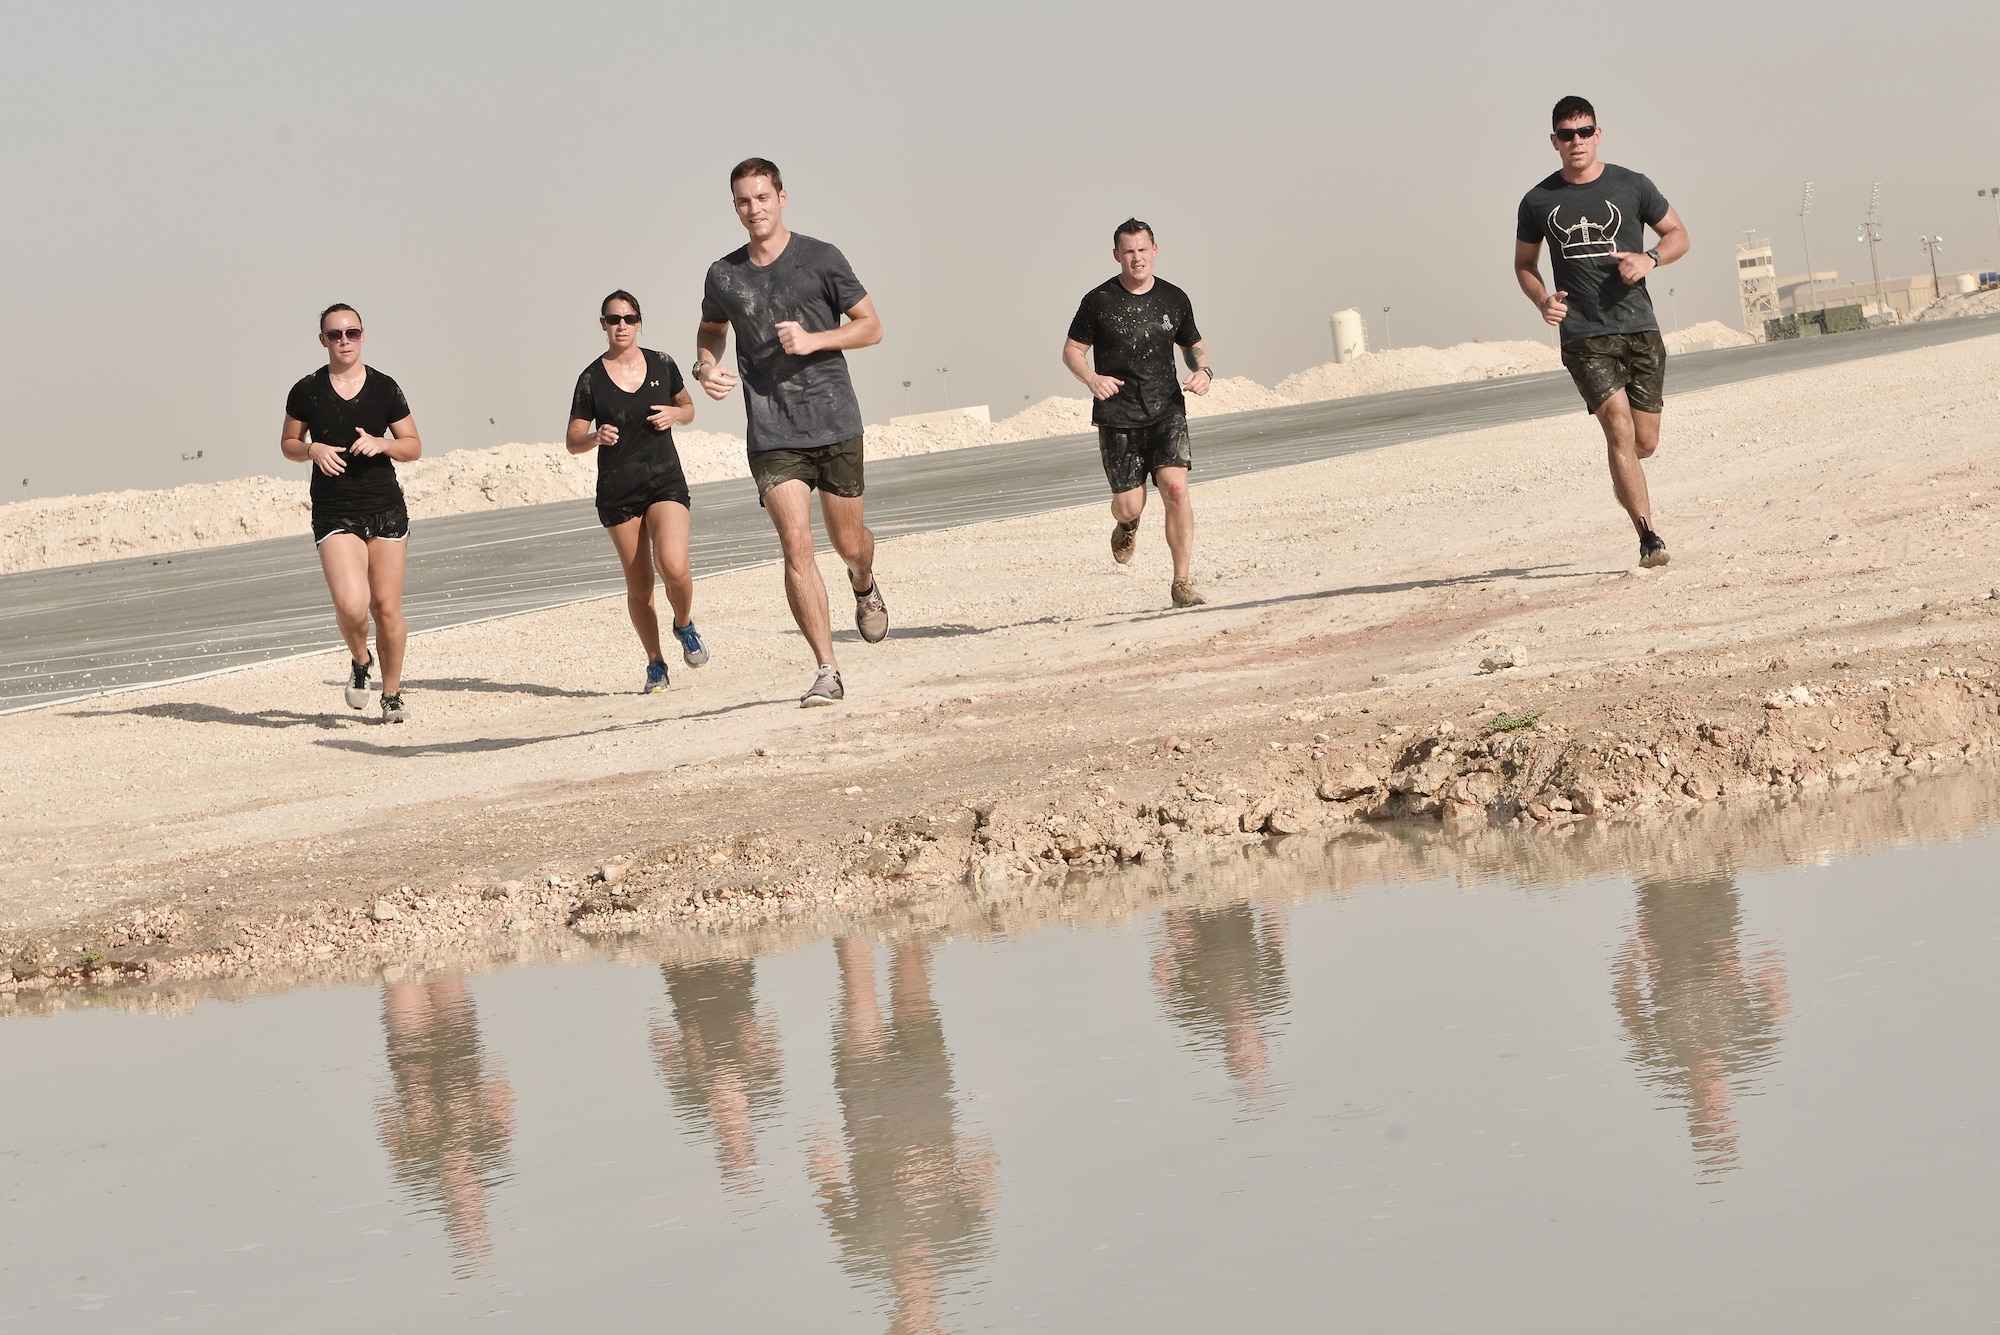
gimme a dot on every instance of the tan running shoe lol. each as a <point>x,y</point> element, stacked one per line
<point>1185,595</point>
<point>1124,541</point>
<point>871,614</point>
<point>826,689</point>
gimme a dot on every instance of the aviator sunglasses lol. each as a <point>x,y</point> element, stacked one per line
<point>341,335</point>
<point>619,319</point>
<point>1576,132</point>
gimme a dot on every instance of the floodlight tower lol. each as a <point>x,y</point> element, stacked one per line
<point>1932,245</point>
<point>1871,232</point>
<point>1993,193</point>
<point>1805,233</point>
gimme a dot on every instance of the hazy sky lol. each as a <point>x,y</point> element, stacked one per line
<point>186,185</point>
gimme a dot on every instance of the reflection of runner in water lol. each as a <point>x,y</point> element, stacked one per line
<point>720,1059</point>
<point>1220,976</point>
<point>633,398</point>
<point>450,1115</point>
<point>911,1206</point>
<point>1699,1015</point>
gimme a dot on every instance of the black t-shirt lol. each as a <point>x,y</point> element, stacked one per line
<point>598,399</point>
<point>791,403</point>
<point>1132,338</point>
<point>1583,225</point>
<point>369,485</point>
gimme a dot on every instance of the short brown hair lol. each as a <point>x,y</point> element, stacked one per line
<point>757,167</point>
<point>1571,108</point>
<point>1132,227</point>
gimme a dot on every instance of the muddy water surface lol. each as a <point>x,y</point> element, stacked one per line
<point>1712,1093</point>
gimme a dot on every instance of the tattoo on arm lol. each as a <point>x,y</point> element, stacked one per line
<point>1195,354</point>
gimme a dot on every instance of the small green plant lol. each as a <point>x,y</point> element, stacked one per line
<point>92,956</point>
<point>1515,722</point>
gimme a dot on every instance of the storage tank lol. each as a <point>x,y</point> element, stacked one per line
<point>1350,337</point>
<point>1967,283</point>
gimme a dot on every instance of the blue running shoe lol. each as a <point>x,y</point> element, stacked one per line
<point>692,649</point>
<point>656,678</point>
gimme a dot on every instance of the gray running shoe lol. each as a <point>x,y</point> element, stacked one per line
<point>392,708</point>
<point>693,652</point>
<point>1185,595</point>
<point>359,683</point>
<point>1124,541</point>
<point>871,614</point>
<point>1653,551</point>
<point>826,689</point>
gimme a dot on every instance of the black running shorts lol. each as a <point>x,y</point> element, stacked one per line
<point>1604,364</point>
<point>1132,454</point>
<point>392,525</point>
<point>833,469</point>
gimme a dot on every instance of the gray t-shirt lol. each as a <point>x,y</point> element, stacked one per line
<point>1583,225</point>
<point>793,403</point>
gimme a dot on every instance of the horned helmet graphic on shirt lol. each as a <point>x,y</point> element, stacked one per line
<point>1586,237</point>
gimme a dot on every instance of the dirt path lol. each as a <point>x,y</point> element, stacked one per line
<point>1832,533</point>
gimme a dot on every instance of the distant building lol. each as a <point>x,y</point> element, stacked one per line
<point>1756,284</point>
<point>1903,296</point>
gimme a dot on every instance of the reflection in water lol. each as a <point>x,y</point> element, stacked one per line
<point>911,1205</point>
<point>1701,1017</point>
<point>450,1115</point>
<point>1220,976</point>
<point>720,1059</point>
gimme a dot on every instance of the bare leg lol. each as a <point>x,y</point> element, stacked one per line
<point>1127,506</point>
<point>635,556</point>
<point>386,560</point>
<point>667,524</point>
<point>344,560</point>
<point>1172,482</point>
<point>847,530</point>
<point>1628,478</point>
<point>790,506</point>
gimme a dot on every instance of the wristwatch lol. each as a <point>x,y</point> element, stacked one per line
<point>1654,256</point>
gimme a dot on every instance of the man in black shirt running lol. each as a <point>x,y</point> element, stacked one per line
<point>1129,327</point>
<point>1594,216</point>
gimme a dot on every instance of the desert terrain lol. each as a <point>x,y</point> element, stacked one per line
<point>1450,632</point>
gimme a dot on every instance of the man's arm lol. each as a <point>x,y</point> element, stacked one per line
<point>1076,356</point>
<point>862,330</point>
<point>711,340</point>
<point>1674,243</point>
<point>1196,354</point>
<point>1528,273</point>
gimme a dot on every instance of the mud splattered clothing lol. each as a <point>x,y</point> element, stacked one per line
<point>1131,454</point>
<point>1584,225</point>
<point>792,403</point>
<point>1132,338</point>
<point>643,468</point>
<point>369,486</point>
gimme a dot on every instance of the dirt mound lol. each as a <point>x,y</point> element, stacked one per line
<point>1415,368</point>
<point>1706,335</point>
<point>1958,307</point>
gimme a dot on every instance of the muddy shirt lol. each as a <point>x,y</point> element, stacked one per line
<point>792,403</point>
<point>369,485</point>
<point>642,453</point>
<point>1132,338</point>
<point>1583,225</point>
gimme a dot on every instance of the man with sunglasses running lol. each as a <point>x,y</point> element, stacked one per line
<point>1594,215</point>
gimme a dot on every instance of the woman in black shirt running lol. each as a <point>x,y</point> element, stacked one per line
<point>635,397</point>
<point>352,424</point>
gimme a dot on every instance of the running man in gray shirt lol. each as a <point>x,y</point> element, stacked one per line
<point>1594,215</point>
<point>785,295</point>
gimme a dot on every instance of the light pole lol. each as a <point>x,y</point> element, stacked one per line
<point>1805,233</point>
<point>944,375</point>
<point>1932,245</point>
<point>1674,307</point>
<point>906,398</point>
<point>1871,232</point>
<point>1387,342</point>
<point>1993,193</point>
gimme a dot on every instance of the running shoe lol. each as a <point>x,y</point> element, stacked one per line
<point>1124,541</point>
<point>871,614</point>
<point>359,685</point>
<point>693,652</point>
<point>1185,595</point>
<point>656,677</point>
<point>1653,551</point>
<point>392,708</point>
<point>826,689</point>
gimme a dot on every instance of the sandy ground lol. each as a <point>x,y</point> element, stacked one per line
<point>1824,626</point>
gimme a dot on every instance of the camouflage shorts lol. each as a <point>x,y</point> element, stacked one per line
<point>1607,363</point>
<point>1131,454</point>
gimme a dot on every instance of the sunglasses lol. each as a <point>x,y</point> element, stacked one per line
<point>619,319</point>
<point>1577,132</point>
<point>341,335</point>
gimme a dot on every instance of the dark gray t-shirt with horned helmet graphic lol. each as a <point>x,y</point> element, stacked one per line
<point>1584,225</point>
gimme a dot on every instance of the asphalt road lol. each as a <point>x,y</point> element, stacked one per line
<point>84,630</point>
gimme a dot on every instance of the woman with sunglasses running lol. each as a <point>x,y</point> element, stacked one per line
<point>352,424</point>
<point>635,397</point>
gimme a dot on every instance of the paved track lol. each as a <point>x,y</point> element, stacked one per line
<point>82,630</point>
